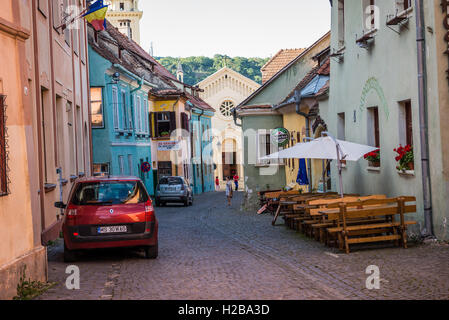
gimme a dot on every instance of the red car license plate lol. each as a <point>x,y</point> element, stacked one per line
<point>112,229</point>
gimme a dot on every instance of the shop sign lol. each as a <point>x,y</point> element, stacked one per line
<point>280,137</point>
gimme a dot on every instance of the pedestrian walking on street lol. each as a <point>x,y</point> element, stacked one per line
<point>217,184</point>
<point>236,181</point>
<point>229,190</point>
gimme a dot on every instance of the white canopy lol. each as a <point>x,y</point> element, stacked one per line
<point>323,148</point>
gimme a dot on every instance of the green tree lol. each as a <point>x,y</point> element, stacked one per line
<point>197,69</point>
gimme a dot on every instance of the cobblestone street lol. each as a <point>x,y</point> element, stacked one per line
<point>209,251</point>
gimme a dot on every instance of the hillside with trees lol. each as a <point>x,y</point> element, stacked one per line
<point>197,69</point>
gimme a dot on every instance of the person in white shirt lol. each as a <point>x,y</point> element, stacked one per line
<point>229,190</point>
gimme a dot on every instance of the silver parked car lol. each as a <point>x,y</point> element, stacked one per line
<point>174,189</point>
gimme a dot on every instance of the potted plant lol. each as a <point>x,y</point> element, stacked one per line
<point>165,134</point>
<point>405,158</point>
<point>373,158</point>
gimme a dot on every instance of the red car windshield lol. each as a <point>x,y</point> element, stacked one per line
<point>109,192</point>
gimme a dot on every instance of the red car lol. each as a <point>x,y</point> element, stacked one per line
<point>109,212</point>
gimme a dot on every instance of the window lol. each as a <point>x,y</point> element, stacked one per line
<point>164,123</point>
<point>115,108</point>
<point>126,124</point>
<point>60,137</point>
<point>97,107</point>
<point>164,169</point>
<point>341,23</point>
<point>226,108</point>
<point>145,116</point>
<point>79,139</point>
<point>341,126</point>
<point>373,127</point>
<point>138,110</point>
<point>109,193</point>
<point>66,30</point>
<point>47,133</point>
<point>72,145</point>
<point>122,6</point>
<point>266,147</point>
<point>121,165</point>
<point>3,153</point>
<point>101,169</point>
<point>56,10</point>
<point>184,121</point>
<point>405,123</point>
<point>82,41</point>
<point>130,165</point>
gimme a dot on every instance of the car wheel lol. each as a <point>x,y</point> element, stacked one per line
<point>69,255</point>
<point>151,252</point>
<point>186,203</point>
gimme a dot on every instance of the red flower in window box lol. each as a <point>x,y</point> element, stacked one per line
<point>405,158</point>
<point>373,157</point>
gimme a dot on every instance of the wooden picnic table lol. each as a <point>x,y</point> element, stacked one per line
<point>378,219</point>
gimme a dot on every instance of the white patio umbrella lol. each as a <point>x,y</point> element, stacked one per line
<point>325,148</point>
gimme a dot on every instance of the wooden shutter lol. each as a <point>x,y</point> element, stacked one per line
<point>376,127</point>
<point>408,123</point>
<point>152,123</point>
<point>172,121</point>
<point>3,175</point>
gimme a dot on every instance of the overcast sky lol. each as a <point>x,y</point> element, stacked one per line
<point>248,28</point>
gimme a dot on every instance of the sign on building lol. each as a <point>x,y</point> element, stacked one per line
<point>168,146</point>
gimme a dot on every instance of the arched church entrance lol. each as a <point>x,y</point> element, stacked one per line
<point>229,158</point>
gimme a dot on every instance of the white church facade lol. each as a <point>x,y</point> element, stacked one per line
<point>224,90</point>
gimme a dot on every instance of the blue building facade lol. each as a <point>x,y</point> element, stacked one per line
<point>202,151</point>
<point>120,120</point>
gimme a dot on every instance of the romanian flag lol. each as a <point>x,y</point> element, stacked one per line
<point>96,14</point>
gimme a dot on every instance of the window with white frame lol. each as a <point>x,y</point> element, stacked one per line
<point>115,107</point>
<point>266,147</point>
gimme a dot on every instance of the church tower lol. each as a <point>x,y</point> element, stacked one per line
<point>180,72</point>
<point>125,16</point>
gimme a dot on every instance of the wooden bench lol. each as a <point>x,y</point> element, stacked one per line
<point>365,232</point>
<point>316,226</point>
<point>299,210</point>
<point>293,203</point>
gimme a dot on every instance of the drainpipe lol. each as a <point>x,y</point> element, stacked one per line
<point>298,98</point>
<point>201,151</point>
<point>234,114</point>
<point>422,104</point>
